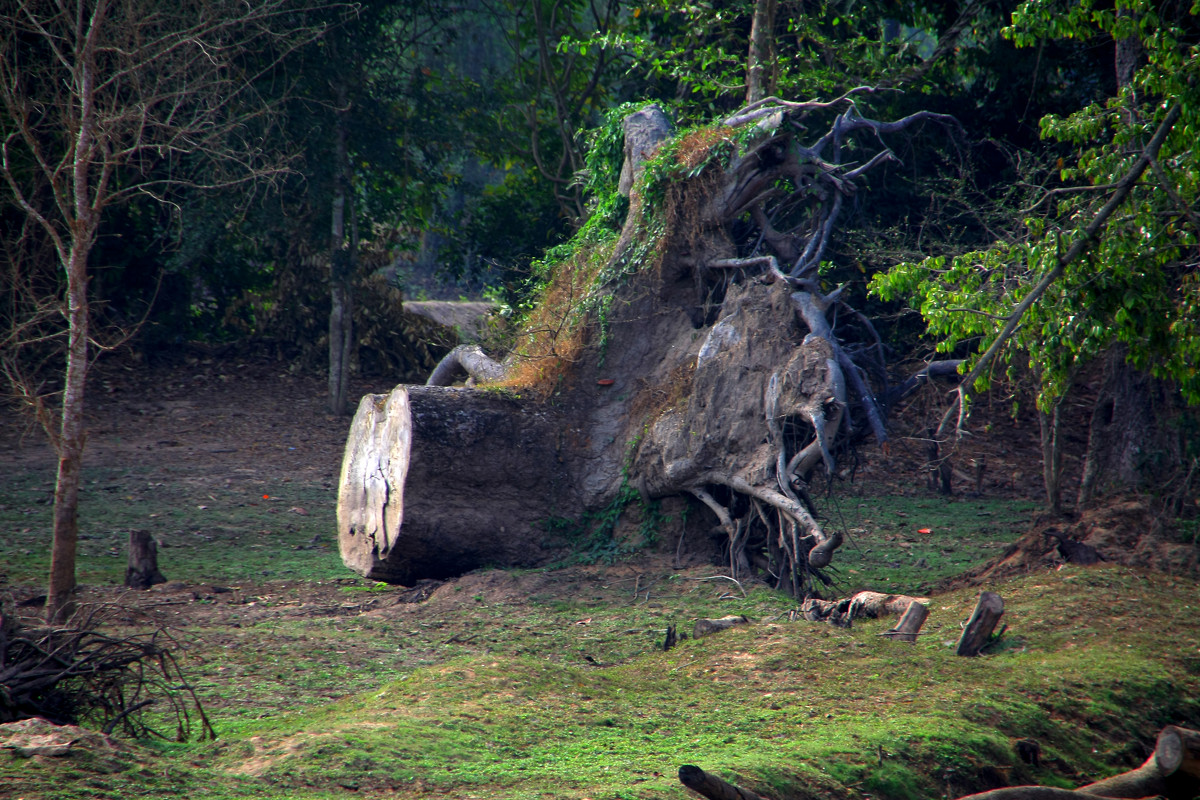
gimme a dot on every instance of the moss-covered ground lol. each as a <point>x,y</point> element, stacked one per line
<point>554,683</point>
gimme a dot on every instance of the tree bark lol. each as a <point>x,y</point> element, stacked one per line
<point>1050,425</point>
<point>1130,444</point>
<point>436,482</point>
<point>760,59</point>
<point>868,605</point>
<point>466,359</point>
<point>644,131</point>
<point>60,599</point>
<point>979,628</point>
<point>141,570</point>
<point>341,266</point>
<point>704,627</point>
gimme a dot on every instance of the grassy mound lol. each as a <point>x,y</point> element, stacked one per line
<point>552,684</point>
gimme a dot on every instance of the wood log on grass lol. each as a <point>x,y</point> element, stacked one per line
<point>438,481</point>
<point>1172,771</point>
<point>711,786</point>
<point>861,605</point>
<point>910,623</point>
<point>979,627</point>
<point>704,627</point>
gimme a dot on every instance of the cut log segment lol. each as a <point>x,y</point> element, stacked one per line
<point>910,623</point>
<point>141,571</point>
<point>437,481</point>
<point>979,627</point>
<point>711,786</point>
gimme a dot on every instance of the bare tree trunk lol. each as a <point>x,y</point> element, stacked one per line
<point>60,601</point>
<point>760,59</point>
<point>341,266</point>
<point>1051,431</point>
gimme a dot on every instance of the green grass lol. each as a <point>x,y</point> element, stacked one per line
<point>206,533</point>
<point>885,550</point>
<point>558,687</point>
<point>1094,662</point>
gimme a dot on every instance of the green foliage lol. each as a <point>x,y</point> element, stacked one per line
<point>1137,283</point>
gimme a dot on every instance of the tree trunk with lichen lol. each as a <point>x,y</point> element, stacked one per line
<point>690,362</point>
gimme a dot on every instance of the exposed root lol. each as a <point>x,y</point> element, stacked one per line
<point>466,359</point>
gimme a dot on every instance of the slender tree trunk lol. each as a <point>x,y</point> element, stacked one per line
<point>760,60</point>
<point>1051,431</point>
<point>341,266</point>
<point>60,602</point>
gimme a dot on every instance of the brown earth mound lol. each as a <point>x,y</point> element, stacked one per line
<point>1124,530</point>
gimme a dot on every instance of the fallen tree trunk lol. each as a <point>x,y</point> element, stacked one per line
<point>666,363</point>
<point>868,605</point>
<point>436,482</point>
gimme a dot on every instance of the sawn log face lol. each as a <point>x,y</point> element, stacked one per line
<point>438,481</point>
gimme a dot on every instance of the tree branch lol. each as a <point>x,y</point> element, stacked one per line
<point>1124,187</point>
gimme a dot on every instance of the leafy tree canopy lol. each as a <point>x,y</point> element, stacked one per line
<point>1136,282</point>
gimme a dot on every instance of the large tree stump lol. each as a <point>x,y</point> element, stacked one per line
<point>141,571</point>
<point>436,482</point>
<point>983,621</point>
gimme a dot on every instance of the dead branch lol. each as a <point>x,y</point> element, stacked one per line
<point>77,672</point>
